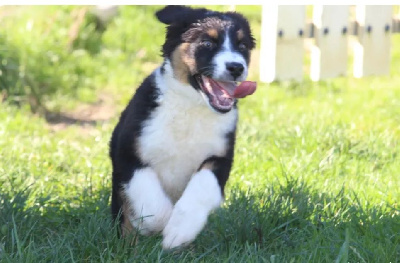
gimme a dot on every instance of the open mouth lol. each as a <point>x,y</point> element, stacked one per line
<point>222,94</point>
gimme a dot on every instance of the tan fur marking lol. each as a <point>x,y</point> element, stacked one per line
<point>213,33</point>
<point>126,223</point>
<point>240,34</point>
<point>207,165</point>
<point>182,63</point>
<point>128,231</point>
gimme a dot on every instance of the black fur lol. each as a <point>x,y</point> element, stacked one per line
<point>221,165</point>
<point>123,156</point>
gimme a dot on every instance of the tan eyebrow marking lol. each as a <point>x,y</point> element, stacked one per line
<point>240,34</point>
<point>213,33</point>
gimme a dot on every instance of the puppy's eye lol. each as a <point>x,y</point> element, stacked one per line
<point>207,43</point>
<point>242,46</point>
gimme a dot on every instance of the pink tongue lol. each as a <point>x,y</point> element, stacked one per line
<point>229,89</point>
<point>245,88</point>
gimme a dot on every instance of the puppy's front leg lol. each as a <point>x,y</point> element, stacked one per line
<point>201,196</point>
<point>151,207</point>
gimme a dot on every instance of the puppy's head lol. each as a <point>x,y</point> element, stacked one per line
<point>209,50</point>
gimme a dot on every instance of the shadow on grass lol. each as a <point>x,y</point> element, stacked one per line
<point>101,111</point>
<point>51,229</point>
<point>285,223</point>
<point>55,118</point>
<point>296,222</point>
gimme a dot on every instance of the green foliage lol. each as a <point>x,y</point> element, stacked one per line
<point>128,35</point>
<point>48,53</point>
<point>38,57</point>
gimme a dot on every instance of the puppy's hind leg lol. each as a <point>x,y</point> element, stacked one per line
<point>149,207</point>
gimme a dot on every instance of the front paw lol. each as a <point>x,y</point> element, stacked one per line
<point>183,227</point>
<point>155,221</point>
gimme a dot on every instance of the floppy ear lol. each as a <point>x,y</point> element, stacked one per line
<point>173,13</point>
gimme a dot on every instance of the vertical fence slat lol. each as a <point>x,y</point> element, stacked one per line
<point>329,54</point>
<point>282,33</point>
<point>372,51</point>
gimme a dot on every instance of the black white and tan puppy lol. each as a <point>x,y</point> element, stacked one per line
<point>172,149</point>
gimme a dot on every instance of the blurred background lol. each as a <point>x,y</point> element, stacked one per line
<point>53,57</point>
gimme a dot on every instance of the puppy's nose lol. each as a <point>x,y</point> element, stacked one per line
<point>235,69</point>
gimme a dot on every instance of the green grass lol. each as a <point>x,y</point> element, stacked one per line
<point>315,178</point>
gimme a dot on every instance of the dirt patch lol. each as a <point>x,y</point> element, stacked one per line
<point>87,116</point>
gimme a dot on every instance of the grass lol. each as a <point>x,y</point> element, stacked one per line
<point>315,178</point>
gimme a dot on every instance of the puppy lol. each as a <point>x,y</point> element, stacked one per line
<point>172,149</point>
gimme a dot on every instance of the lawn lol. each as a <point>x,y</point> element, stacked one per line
<point>316,172</point>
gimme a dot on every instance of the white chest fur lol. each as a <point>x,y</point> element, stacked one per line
<point>181,133</point>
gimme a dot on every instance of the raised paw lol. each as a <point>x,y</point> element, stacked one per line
<point>183,227</point>
<point>201,196</point>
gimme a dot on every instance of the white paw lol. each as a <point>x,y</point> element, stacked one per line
<point>154,221</point>
<point>183,227</point>
<point>201,196</point>
<point>150,207</point>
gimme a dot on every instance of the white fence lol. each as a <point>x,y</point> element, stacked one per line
<point>284,31</point>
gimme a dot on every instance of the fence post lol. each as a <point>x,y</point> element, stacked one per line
<point>372,51</point>
<point>329,54</point>
<point>282,32</point>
